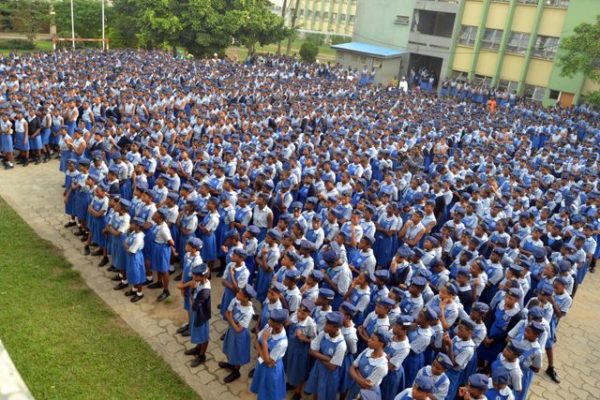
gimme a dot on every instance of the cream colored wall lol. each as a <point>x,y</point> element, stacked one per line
<point>539,71</point>
<point>486,63</point>
<point>497,16</point>
<point>472,13</point>
<point>523,18</point>
<point>463,59</point>
<point>552,22</point>
<point>511,67</point>
<point>590,86</point>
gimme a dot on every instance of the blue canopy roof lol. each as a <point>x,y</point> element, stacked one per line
<point>369,49</point>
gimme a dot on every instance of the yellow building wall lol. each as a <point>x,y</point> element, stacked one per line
<point>523,18</point>
<point>472,13</point>
<point>539,72</point>
<point>463,59</point>
<point>590,86</point>
<point>511,67</point>
<point>486,63</point>
<point>552,22</point>
<point>497,16</point>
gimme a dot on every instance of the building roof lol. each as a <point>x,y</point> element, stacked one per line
<point>369,49</point>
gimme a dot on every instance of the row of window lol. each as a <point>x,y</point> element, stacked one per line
<point>329,1</point>
<point>551,3</point>
<point>545,46</point>
<point>532,92</point>
<point>333,17</point>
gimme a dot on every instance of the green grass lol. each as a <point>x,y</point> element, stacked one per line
<point>326,53</point>
<point>66,342</point>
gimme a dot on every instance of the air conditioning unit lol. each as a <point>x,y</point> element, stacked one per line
<point>401,20</point>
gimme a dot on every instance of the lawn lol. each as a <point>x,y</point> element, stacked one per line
<point>326,53</point>
<point>40,45</point>
<point>66,342</point>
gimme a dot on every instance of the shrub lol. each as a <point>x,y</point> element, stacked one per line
<point>17,44</point>
<point>309,51</point>
<point>340,39</point>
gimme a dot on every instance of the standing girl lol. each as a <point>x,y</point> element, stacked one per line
<point>161,251</point>
<point>302,330</point>
<point>200,314</point>
<point>134,244</point>
<point>207,228</point>
<point>190,260</point>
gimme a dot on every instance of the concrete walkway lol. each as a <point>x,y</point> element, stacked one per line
<point>36,195</point>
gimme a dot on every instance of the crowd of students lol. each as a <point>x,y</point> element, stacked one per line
<point>389,245</point>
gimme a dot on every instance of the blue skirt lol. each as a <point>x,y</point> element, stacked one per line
<point>237,346</point>
<point>148,244</point>
<point>323,382</point>
<point>228,295</point>
<point>181,242</point>
<point>161,257</point>
<point>209,247</point>
<point>199,334</point>
<point>454,378</point>
<point>263,283</point>
<point>186,298</point>
<point>412,364</point>
<point>126,189</point>
<point>20,142</point>
<point>297,360</point>
<point>355,391</point>
<point>6,143</point>
<point>35,143</point>
<point>119,255</point>
<point>345,380</point>
<point>96,228</point>
<point>81,205</point>
<point>392,383</point>
<point>383,248</point>
<point>70,205</point>
<point>525,384</point>
<point>136,272</point>
<point>46,136</point>
<point>64,159</point>
<point>269,383</point>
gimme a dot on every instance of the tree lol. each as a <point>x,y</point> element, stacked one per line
<point>87,15</point>
<point>580,52</point>
<point>25,16</point>
<point>258,24</point>
<point>309,51</point>
<point>292,33</point>
<point>159,23</point>
<point>123,26</point>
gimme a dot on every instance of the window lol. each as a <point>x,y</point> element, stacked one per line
<point>527,1</point>
<point>491,39</point>
<point>508,86</point>
<point>535,93</point>
<point>317,14</point>
<point>557,3</point>
<point>300,13</point>
<point>308,13</point>
<point>480,80</point>
<point>554,94</point>
<point>545,47</point>
<point>351,19</point>
<point>342,17</point>
<point>326,15</point>
<point>334,17</point>
<point>517,43</point>
<point>467,35</point>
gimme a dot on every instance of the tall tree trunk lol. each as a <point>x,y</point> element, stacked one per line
<point>292,27</point>
<point>283,10</point>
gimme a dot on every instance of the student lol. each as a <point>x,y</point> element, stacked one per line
<point>561,304</point>
<point>302,329</point>
<point>6,141</point>
<point>531,359</point>
<point>475,389</point>
<point>134,259</point>
<point>351,338</point>
<point>396,351</point>
<point>328,350</point>
<point>191,259</point>
<point>81,189</point>
<point>498,388</point>
<point>437,373</point>
<point>200,314</point>
<point>236,344</point>
<point>161,252</point>
<point>419,337</point>
<point>359,294</point>
<point>274,301</point>
<point>235,277</point>
<point>421,389</point>
<point>459,349</point>
<point>22,137</point>
<point>117,228</point>
<point>97,209</point>
<point>371,366</point>
<point>291,295</point>
<point>376,319</point>
<point>509,359</point>
<point>266,259</point>
<point>69,193</point>
<point>271,345</point>
<point>207,229</point>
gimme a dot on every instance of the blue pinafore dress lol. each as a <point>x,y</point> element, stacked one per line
<point>269,383</point>
<point>321,381</point>
<point>365,368</point>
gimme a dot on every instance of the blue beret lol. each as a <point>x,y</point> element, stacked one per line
<point>382,274</point>
<point>334,318</point>
<point>254,230</point>
<point>430,313</point>
<point>274,234</point>
<point>308,304</point>
<point>240,252</point>
<point>278,287</point>
<point>424,384</point>
<point>292,274</point>
<point>249,291</point>
<point>501,376</point>
<point>480,307</point>
<point>279,315</point>
<point>479,381</point>
<point>195,243</point>
<point>138,220</point>
<point>404,320</point>
<point>444,361</point>
<point>383,334</point>
<point>326,293</point>
<point>125,203</point>
<point>515,292</point>
<point>386,302</point>
<point>419,281</point>
<point>317,275</point>
<point>201,269</point>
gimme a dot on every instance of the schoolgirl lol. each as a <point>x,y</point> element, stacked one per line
<point>301,330</point>
<point>200,313</point>
<point>134,259</point>
<point>191,259</point>
<point>161,251</point>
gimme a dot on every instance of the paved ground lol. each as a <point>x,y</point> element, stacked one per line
<point>35,193</point>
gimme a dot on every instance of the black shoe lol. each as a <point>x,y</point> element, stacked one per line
<point>121,286</point>
<point>222,337</point>
<point>225,365</point>
<point>551,372</point>
<point>192,352</point>
<point>186,333</point>
<point>148,282</point>
<point>296,396</point>
<point>183,328</point>
<point>137,298</point>
<point>103,262</point>
<point>155,285</point>
<point>232,376</point>
<point>79,233</point>
<point>26,163</point>
<point>70,224</point>
<point>163,296</point>
<point>84,238</point>
<point>116,278</point>
<point>254,317</point>
<point>592,270</point>
<point>86,250</point>
<point>130,293</point>
<point>197,361</point>
<point>251,373</point>
<point>178,277</point>
<point>220,273</point>
<point>97,253</point>
<point>111,269</point>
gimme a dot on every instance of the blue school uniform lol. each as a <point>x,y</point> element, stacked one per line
<point>209,242</point>
<point>98,223</point>
<point>264,279</point>
<point>236,345</point>
<point>189,262</point>
<point>384,244</point>
<point>136,272</point>
<point>269,382</point>
<point>200,314</point>
<point>229,294</point>
<point>356,296</point>
<point>70,204</point>
<point>297,364</point>
<point>498,332</point>
<point>6,143</point>
<point>366,368</point>
<point>117,248</point>
<point>394,380</point>
<point>322,381</point>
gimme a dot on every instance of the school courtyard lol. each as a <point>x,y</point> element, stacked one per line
<point>577,354</point>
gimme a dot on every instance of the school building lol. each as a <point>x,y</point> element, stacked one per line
<point>328,17</point>
<point>514,44</point>
<point>511,44</point>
